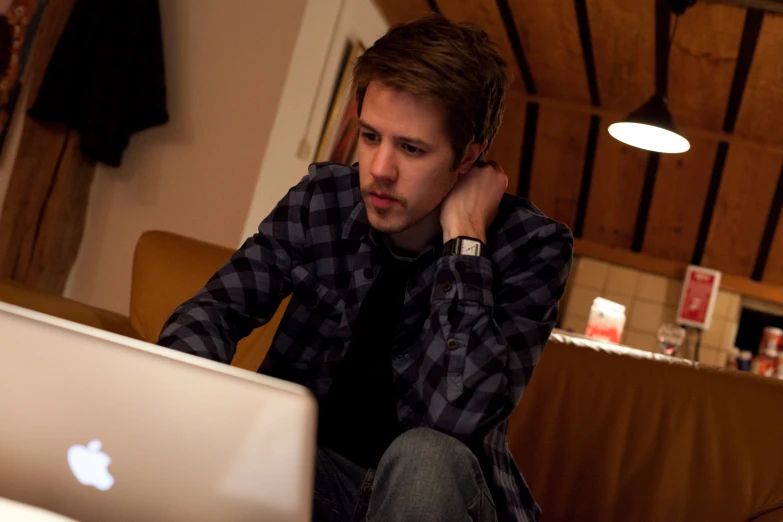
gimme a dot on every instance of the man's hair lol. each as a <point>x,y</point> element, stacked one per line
<point>453,65</point>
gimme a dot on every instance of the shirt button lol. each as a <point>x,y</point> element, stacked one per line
<point>452,344</point>
<point>369,273</point>
<point>446,287</point>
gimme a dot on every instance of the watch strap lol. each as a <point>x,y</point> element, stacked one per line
<point>465,246</point>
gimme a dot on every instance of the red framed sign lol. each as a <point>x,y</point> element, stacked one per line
<point>697,301</point>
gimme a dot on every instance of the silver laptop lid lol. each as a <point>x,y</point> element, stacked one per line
<point>96,427</point>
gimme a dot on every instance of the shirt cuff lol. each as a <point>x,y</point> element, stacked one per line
<point>466,278</point>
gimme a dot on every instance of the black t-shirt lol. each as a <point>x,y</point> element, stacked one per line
<point>358,417</point>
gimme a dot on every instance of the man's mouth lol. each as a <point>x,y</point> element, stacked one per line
<point>380,200</point>
<point>380,195</point>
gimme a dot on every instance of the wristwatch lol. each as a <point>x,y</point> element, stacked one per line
<point>465,246</point>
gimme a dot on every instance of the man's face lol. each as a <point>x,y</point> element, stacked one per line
<point>406,163</point>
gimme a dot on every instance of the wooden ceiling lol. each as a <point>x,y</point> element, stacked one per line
<point>580,65</point>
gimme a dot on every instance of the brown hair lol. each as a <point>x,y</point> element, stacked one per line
<point>453,65</point>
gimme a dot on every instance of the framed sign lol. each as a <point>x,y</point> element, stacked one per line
<point>340,133</point>
<point>697,301</point>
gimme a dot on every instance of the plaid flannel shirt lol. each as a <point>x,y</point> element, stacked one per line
<point>470,334</point>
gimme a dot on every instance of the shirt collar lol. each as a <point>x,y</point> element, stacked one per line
<point>357,226</point>
<point>431,251</point>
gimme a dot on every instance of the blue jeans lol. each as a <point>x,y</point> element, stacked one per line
<point>423,476</point>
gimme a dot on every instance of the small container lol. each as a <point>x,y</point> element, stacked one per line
<point>764,365</point>
<point>771,338</point>
<point>743,362</point>
<point>606,321</point>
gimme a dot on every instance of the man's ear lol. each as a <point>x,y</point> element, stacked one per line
<point>473,153</point>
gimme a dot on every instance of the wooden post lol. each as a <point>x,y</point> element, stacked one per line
<point>43,215</point>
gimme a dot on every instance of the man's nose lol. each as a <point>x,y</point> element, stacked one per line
<point>382,166</point>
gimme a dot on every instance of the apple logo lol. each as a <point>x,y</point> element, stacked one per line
<point>90,465</point>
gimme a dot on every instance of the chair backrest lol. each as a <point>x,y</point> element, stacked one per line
<point>168,269</point>
<point>20,294</point>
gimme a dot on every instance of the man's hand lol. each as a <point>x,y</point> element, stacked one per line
<point>473,203</point>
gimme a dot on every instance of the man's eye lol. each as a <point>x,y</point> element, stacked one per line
<point>369,137</point>
<point>410,149</point>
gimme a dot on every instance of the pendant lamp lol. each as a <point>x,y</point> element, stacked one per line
<point>651,126</point>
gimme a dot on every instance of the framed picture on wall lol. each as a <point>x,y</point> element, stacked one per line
<point>340,132</point>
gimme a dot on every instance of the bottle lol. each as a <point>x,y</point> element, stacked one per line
<point>743,363</point>
<point>771,337</point>
<point>766,362</point>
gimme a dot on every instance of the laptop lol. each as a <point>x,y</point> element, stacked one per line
<point>95,426</point>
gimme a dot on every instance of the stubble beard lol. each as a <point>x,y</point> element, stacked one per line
<point>406,224</point>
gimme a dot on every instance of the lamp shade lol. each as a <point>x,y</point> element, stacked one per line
<point>651,127</point>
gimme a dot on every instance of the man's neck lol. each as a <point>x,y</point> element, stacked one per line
<point>416,239</point>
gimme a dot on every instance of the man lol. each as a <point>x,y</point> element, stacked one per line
<point>422,295</point>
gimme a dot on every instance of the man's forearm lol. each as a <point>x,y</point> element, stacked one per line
<point>205,328</point>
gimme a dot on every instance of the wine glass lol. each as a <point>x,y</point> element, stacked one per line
<point>670,337</point>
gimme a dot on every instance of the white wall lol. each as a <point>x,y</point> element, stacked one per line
<point>324,21</point>
<point>226,62</point>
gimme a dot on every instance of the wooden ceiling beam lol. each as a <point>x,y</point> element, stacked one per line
<point>745,56</point>
<point>505,147</point>
<point>702,63</point>
<point>741,209</point>
<point>770,258</point>
<point>548,35</point>
<point>556,178</point>
<point>488,16</point>
<point>623,45</point>
<point>770,232</point>
<point>662,40</point>
<point>761,109</point>
<point>772,6</point>
<point>516,46</point>
<point>678,199</point>
<point>585,184</point>
<point>618,171</point>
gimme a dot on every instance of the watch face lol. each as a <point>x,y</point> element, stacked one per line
<point>468,247</point>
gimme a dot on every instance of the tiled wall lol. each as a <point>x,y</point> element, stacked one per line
<point>650,301</point>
